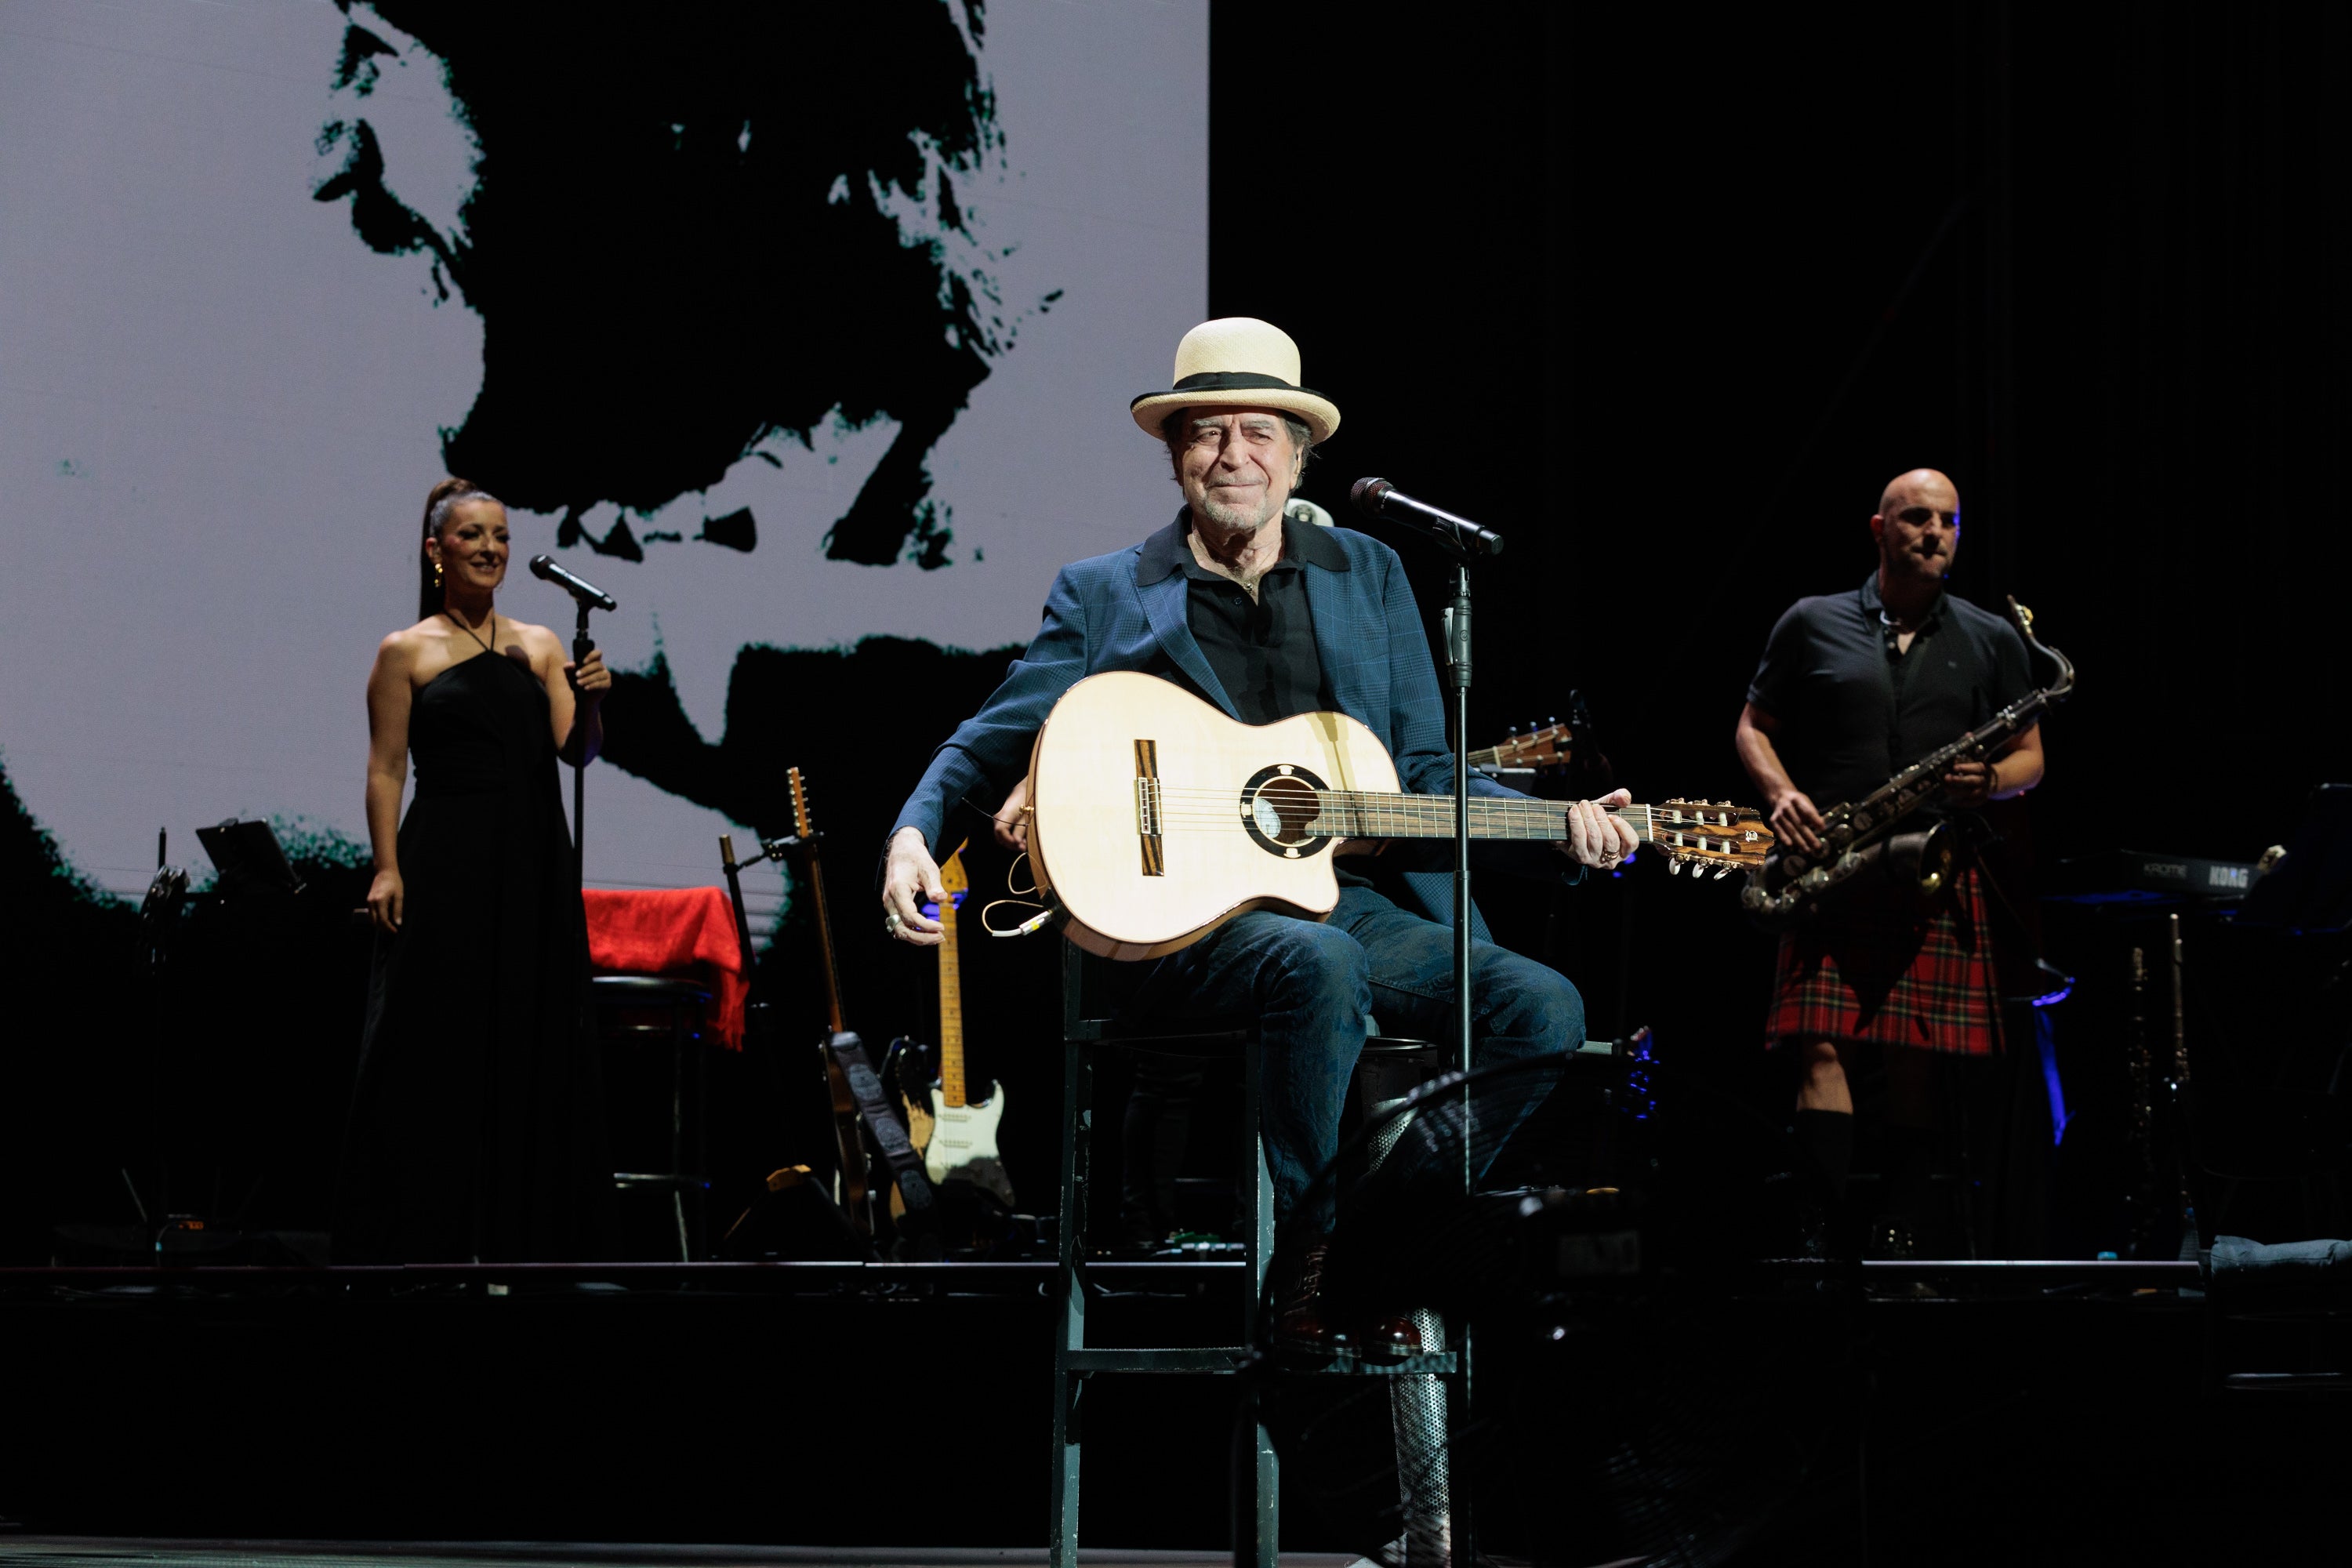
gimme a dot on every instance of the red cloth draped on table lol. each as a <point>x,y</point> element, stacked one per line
<point>673,931</point>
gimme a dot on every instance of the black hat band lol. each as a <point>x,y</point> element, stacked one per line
<point>1226,381</point>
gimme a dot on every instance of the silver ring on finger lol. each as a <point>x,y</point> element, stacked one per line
<point>891,923</point>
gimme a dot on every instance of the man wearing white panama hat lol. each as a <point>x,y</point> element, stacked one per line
<point>1265,616</point>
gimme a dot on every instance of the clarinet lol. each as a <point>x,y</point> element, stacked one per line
<point>1791,885</point>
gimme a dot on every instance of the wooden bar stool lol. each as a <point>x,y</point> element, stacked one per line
<point>644,1009</point>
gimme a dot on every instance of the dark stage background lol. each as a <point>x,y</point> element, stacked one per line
<point>1667,304</point>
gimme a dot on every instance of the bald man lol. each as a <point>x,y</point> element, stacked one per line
<point>1853,688</point>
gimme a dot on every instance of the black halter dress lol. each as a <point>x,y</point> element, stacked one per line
<point>477,1123</point>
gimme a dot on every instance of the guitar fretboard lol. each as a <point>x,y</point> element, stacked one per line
<point>1349,814</point>
<point>951,1084</point>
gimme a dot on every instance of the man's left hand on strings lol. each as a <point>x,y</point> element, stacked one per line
<point>1594,837</point>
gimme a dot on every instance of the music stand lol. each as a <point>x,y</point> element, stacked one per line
<point>248,857</point>
<point>2310,890</point>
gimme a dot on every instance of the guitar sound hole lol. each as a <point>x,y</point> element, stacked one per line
<point>1277,804</point>
<point>1283,807</point>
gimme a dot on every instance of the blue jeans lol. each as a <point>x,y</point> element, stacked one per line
<point>1311,987</point>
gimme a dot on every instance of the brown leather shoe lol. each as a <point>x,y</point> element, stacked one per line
<point>1388,1339</point>
<point>1302,1329</point>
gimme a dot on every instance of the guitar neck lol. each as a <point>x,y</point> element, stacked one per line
<point>825,940</point>
<point>952,1085</point>
<point>1350,813</point>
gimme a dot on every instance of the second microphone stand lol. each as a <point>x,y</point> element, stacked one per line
<point>581,646</point>
<point>1457,664</point>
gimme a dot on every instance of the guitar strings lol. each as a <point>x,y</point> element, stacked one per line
<point>1394,813</point>
<point>1695,816</point>
<point>1365,814</point>
<point>1710,844</point>
<point>1389,821</point>
<point>1401,811</point>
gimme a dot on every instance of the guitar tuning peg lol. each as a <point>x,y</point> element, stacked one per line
<point>1675,866</point>
<point>1721,872</point>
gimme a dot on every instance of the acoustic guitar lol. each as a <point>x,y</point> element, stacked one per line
<point>1156,818</point>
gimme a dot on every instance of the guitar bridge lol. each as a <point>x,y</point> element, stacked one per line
<point>1148,808</point>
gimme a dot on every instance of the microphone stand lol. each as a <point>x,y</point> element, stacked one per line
<point>1464,1541</point>
<point>1463,540</point>
<point>580,648</point>
<point>1457,663</point>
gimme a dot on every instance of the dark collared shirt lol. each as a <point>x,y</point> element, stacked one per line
<point>1262,650</point>
<point>1853,711</point>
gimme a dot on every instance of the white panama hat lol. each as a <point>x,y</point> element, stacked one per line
<point>1237,361</point>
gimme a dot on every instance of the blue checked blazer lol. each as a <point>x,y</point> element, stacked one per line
<point>1126,611</point>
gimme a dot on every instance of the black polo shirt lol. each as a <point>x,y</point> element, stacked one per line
<point>1853,712</point>
<point>1263,649</point>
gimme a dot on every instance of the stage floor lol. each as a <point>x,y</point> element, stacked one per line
<point>100,1552</point>
<point>2046,1412</point>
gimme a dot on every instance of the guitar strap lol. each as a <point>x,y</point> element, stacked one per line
<point>882,1121</point>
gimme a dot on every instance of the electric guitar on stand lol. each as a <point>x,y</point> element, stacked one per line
<point>856,1089</point>
<point>963,1143</point>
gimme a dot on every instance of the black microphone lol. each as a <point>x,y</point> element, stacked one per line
<point>1380,498</point>
<point>544,568</point>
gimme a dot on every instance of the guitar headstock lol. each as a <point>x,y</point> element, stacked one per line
<point>800,803</point>
<point>1709,836</point>
<point>1549,747</point>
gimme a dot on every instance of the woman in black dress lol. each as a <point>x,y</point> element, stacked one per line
<point>477,1123</point>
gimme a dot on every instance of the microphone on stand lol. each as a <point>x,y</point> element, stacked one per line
<point>586,597</point>
<point>1377,498</point>
<point>591,597</point>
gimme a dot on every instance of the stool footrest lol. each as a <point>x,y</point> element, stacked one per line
<point>1218,1359</point>
<point>1353,1364</point>
<point>2331,1383</point>
<point>1209,1358</point>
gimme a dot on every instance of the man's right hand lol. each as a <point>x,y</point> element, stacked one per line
<point>1011,821</point>
<point>1796,823</point>
<point>910,877</point>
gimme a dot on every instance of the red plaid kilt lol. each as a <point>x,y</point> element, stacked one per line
<point>1925,984</point>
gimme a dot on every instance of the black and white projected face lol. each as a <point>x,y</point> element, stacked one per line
<point>788,326</point>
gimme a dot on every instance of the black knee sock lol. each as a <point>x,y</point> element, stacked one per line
<point>1827,1137</point>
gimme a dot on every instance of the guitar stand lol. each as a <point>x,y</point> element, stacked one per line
<point>795,848</point>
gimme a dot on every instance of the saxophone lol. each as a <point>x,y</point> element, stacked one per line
<point>1860,836</point>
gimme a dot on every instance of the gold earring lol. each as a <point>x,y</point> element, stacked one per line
<point>437,573</point>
